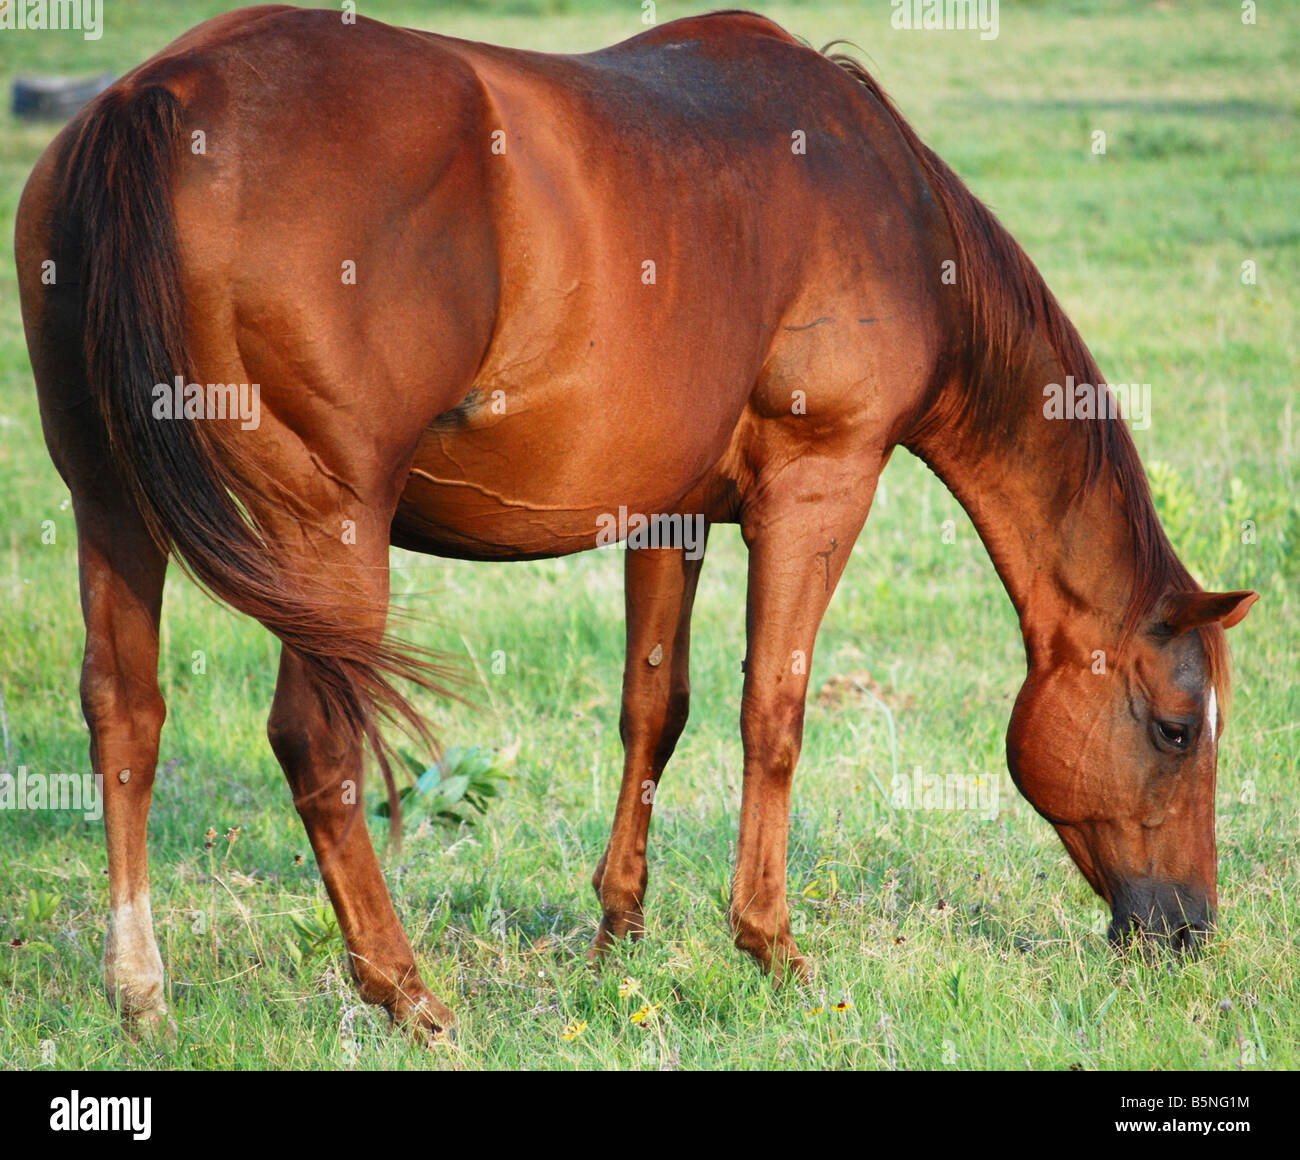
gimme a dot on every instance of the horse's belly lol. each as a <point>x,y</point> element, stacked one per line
<point>542,492</point>
<point>482,516</point>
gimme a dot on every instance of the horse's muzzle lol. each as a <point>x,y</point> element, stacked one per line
<point>1162,913</point>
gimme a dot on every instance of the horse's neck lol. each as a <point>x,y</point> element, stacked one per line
<point>1065,555</point>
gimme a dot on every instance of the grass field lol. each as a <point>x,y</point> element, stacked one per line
<point>950,939</point>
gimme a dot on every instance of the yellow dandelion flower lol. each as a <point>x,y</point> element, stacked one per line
<point>646,1013</point>
<point>573,1030</point>
<point>629,986</point>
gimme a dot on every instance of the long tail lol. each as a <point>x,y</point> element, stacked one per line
<point>118,210</point>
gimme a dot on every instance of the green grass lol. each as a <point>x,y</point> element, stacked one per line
<point>958,941</point>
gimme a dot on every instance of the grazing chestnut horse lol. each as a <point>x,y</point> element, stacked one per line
<point>492,297</point>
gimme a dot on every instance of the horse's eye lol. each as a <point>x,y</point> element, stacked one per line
<point>1169,735</point>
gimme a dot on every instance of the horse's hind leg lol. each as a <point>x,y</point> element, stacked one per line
<point>799,538</point>
<point>659,594</point>
<point>321,757</point>
<point>322,761</point>
<point>122,574</point>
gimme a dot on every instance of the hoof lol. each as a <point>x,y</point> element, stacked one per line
<point>432,1023</point>
<point>613,928</point>
<point>777,955</point>
<point>795,970</point>
<point>152,1025</point>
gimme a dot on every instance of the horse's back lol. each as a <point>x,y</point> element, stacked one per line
<point>585,278</point>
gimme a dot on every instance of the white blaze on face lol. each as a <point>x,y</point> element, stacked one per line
<point>1212,714</point>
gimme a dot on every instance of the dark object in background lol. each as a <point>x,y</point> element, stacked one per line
<point>55,98</point>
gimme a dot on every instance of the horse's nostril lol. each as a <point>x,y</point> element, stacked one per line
<point>1191,937</point>
<point>1157,915</point>
<point>1124,928</point>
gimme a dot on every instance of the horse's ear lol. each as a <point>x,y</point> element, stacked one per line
<point>1188,610</point>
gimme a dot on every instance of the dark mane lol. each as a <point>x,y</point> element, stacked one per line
<point>1005,299</point>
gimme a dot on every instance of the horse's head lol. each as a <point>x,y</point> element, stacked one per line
<point>1120,756</point>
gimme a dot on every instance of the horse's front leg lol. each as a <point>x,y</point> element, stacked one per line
<point>122,573</point>
<point>659,594</point>
<point>800,531</point>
